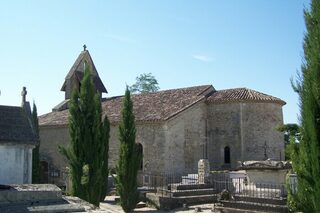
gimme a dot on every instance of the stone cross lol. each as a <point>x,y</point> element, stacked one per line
<point>265,150</point>
<point>203,170</point>
<point>84,47</point>
<point>24,94</point>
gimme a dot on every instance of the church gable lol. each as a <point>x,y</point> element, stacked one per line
<point>75,75</point>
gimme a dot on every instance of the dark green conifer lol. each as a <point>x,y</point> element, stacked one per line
<point>306,159</point>
<point>105,168</point>
<point>129,157</point>
<point>88,149</point>
<point>35,151</point>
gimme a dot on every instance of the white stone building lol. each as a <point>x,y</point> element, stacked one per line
<point>17,139</point>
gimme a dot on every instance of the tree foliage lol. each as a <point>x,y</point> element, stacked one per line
<point>306,159</point>
<point>35,151</point>
<point>145,82</point>
<point>87,153</point>
<point>129,157</point>
<point>291,138</point>
<point>105,168</point>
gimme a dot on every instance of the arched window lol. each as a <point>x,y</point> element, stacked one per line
<point>227,155</point>
<point>140,150</point>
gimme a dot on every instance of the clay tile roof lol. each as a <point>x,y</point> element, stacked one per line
<point>58,118</point>
<point>77,69</point>
<point>15,126</point>
<point>155,106</point>
<point>242,94</point>
<point>158,105</point>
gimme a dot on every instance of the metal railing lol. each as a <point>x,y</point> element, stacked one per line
<point>169,184</point>
<point>241,187</point>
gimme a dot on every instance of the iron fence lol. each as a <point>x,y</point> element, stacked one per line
<point>240,187</point>
<point>175,184</point>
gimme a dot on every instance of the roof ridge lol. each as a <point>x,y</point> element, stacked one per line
<point>242,94</point>
<point>168,90</point>
<point>18,107</point>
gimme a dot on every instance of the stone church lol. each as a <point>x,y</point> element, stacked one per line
<point>175,128</point>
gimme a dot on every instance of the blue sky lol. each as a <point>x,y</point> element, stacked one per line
<point>229,44</point>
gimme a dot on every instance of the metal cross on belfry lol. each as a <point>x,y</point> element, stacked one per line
<point>84,47</point>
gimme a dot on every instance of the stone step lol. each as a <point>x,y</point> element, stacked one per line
<point>57,208</point>
<point>274,201</point>
<point>179,186</point>
<point>255,206</point>
<point>234,210</point>
<point>47,207</point>
<point>193,192</point>
<point>199,199</point>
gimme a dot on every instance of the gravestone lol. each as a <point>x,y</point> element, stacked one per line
<point>203,170</point>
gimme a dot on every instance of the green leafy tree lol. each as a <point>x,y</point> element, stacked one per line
<point>89,143</point>
<point>291,137</point>
<point>145,82</point>
<point>306,159</point>
<point>129,157</point>
<point>35,151</point>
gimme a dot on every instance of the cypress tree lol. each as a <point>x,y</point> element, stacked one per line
<point>35,151</point>
<point>105,168</point>
<point>129,157</point>
<point>87,151</point>
<point>306,159</point>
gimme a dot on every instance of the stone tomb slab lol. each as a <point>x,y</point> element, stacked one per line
<point>29,192</point>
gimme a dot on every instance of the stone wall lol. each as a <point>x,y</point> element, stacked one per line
<point>245,128</point>
<point>268,176</point>
<point>16,164</point>
<point>176,145</point>
<point>224,130</point>
<point>152,138</point>
<point>259,122</point>
<point>185,140</point>
<point>50,139</point>
<point>172,146</point>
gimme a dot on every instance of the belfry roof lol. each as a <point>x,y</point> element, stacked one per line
<point>77,70</point>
